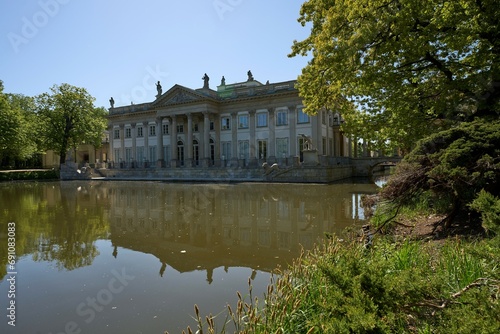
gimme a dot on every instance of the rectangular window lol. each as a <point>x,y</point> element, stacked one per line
<point>116,134</point>
<point>166,153</point>
<point>281,147</point>
<point>140,153</point>
<point>165,129</point>
<point>196,128</point>
<point>180,128</point>
<point>302,117</point>
<point>226,123</point>
<point>128,155</point>
<point>139,131</point>
<point>152,153</point>
<point>262,144</point>
<point>152,130</point>
<point>324,146</point>
<point>128,133</point>
<point>243,122</point>
<point>212,126</point>
<point>261,119</point>
<point>323,117</point>
<point>282,118</point>
<point>117,155</point>
<point>243,149</point>
<point>226,150</point>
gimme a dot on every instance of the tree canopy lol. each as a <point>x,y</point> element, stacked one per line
<point>399,70</point>
<point>18,131</point>
<point>69,119</point>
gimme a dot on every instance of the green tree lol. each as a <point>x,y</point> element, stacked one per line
<point>17,128</point>
<point>69,119</point>
<point>399,70</point>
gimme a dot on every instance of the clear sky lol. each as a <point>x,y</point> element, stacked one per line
<point>122,48</point>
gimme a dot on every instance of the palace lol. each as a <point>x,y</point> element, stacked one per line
<point>239,125</point>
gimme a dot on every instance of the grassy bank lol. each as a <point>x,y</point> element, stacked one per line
<point>397,285</point>
<point>19,175</point>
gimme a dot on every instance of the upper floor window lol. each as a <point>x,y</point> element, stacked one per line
<point>116,134</point>
<point>165,129</point>
<point>261,119</point>
<point>180,128</point>
<point>152,130</point>
<point>301,116</point>
<point>243,122</point>
<point>281,118</point>
<point>225,123</point>
<point>139,131</point>
<point>196,127</point>
<point>212,126</point>
<point>128,133</point>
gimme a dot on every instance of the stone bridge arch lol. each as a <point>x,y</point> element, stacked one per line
<point>365,166</point>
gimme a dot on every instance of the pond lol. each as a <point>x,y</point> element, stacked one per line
<point>135,257</point>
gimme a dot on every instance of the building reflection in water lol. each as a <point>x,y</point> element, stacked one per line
<point>206,226</point>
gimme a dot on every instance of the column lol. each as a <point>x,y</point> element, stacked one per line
<point>173,142</point>
<point>206,139</point>
<point>122,146</point>
<point>319,133</point>
<point>272,137</point>
<point>234,139</point>
<point>159,143</point>
<point>336,140</point>
<point>134,144</point>
<point>253,155</point>
<point>292,126</point>
<point>189,160</point>
<point>145,134</point>
<point>216,121</point>
<point>111,152</point>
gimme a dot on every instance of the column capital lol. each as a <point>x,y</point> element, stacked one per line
<point>271,110</point>
<point>292,107</point>
<point>122,126</point>
<point>159,119</point>
<point>252,112</point>
<point>132,125</point>
<point>234,113</point>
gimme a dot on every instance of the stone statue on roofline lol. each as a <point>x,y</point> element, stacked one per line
<point>158,89</point>
<point>205,81</point>
<point>112,102</point>
<point>250,76</point>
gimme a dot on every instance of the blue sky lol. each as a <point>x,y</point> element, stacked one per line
<point>121,48</point>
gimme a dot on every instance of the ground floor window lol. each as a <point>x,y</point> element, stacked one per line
<point>226,150</point>
<point>140,154</point>
<point>243,148</point>
<point>282,147</point>
<point>152,153</point>
<point>180,152</point>
<point>262,146</point>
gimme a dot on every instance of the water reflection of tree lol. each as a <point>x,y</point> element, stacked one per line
<point>54,222</point>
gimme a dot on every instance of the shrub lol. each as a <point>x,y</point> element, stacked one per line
<point>452,166</point>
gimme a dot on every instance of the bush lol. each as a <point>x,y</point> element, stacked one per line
<point>489,208</point>
<point>452,165</point>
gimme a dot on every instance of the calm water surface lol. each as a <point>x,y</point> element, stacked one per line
<point>135,257</point>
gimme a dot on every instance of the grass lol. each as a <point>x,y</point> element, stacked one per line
<point>393,287</point>
<point>29,175</point>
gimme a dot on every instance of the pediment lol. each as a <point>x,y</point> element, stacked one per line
<point>177,95</point>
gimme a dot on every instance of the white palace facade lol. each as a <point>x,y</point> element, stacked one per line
<point>238,125</point>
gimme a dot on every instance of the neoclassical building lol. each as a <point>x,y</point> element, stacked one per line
<point>238,125</point>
